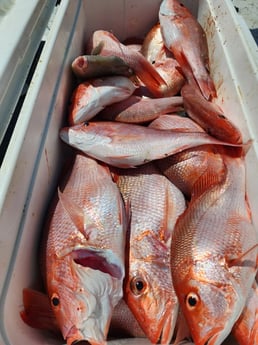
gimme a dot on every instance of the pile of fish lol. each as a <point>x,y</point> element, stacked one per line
<point>150,233</point>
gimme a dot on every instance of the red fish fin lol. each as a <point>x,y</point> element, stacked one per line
<point>185,69</point>
<point>166,230</point>
<point>148,74</point>
<point>206,86</point>
<point>76,214</point>
<point>37,311</point>
<point>128,213</point>
<point>240,261</point>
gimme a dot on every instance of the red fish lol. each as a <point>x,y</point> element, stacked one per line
<point>208,115</point>
<point>214,259</point>
<point>92,96</point>
<point>84,252</point>
<point>183,34</point>
<point>155,205</point>
<point>108,44</point>
<point>153,48</point>
<point>38,313</point>
<point>128,145</point>
<point>136,109</point>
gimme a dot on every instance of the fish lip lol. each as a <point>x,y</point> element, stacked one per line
<point>168,326</point>
<point>211,340</point>
<point>73,336</point>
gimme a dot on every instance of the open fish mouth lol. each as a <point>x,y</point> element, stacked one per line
<point>212,340</point>
<point>167,328</point>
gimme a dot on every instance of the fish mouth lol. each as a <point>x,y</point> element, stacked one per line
<point>211,340</point>
<point>167,330</point>
<point>168,324</point>
<point>75,337</point>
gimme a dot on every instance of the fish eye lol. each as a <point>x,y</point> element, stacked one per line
<point>86,123</point>
<point>138,285</point>
<point>55,300</point>
<point>192,300</point>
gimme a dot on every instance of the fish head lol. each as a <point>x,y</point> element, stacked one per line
<point>78,134</point>
<point>210,300</point>
<point>150,295</point>
<point>82,299</point>
<point>85,136</point>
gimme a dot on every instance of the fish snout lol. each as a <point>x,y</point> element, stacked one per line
<point>74,336</point>
<point>214,339</point>
<point>86,342</point>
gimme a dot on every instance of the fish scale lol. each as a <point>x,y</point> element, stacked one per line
<point>84,252</point>
<point>215,230</point>
<point>155,205</point>
<point>127,145</point>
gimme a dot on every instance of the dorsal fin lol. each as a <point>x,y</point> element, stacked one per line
<point>78,216</point>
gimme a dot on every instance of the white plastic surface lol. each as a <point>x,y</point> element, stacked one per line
<point>21,28</point>
<point>29,172</point>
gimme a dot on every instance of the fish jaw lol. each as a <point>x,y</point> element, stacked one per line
<point>86,299</point>
<point>219,303</point>
<point>155,309</point>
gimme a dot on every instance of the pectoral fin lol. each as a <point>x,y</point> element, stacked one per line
<point>243,261</point>
<point>77,215</point>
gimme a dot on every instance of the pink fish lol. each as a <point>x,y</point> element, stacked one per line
<point>155,205</point>
<point>183,34</point>
<point>92,96</point>
<point>208,115</point>
<point>136,109</point>
<point>84,252</point>
<point>107,44</point>
<point>214,259</point>
<point>128,145</point>
<point>155,51</point>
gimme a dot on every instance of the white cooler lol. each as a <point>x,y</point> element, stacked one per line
<point>34,157</point>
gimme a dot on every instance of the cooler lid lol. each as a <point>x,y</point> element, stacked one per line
<point>22,25</point>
